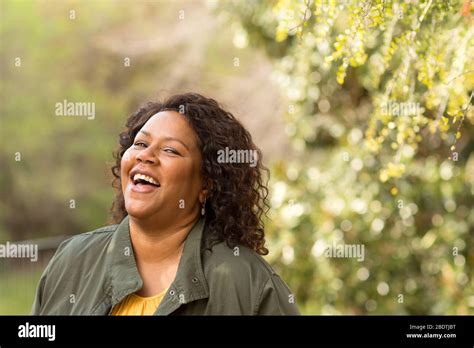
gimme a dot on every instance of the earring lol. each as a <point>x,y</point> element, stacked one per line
<point>203,209</point>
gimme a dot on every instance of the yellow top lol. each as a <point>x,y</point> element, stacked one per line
<point>137,305</point>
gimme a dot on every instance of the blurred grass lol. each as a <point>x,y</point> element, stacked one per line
<point>17,291</point>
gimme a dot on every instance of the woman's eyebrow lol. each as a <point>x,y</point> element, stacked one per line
<point>148,134</point>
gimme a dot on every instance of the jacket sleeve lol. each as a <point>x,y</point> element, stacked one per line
<point>277,299</point>
<point>40,290</point>
<point>36,310</point>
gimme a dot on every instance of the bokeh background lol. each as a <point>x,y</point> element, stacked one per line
<point>319,84</point>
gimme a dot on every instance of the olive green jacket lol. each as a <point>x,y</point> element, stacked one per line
<point>92,272</point>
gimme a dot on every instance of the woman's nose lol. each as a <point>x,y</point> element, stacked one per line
<point>147,156</point>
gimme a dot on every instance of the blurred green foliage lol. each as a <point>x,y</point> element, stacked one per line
<point>54,64</point>
<point>400,184</point>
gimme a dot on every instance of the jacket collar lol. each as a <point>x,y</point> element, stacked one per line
<point>189,284</point>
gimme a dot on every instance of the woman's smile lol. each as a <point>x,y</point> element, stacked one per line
<point>143,188</point>
<point>143,182</point>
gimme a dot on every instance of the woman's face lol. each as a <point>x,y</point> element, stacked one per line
<point>161,171</point>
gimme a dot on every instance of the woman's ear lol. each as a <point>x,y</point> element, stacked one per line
<point>203,195</point>
<point>206,191</point>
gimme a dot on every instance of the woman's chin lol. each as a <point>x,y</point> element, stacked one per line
<point>139,212</point>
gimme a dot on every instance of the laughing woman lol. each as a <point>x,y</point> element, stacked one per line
<point>189,234</point>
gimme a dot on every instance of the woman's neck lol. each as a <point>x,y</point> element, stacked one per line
<point>157,244</point>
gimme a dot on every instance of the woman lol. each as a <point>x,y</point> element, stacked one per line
<point>189,237</point>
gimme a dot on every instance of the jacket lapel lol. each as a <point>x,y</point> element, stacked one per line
<point>189,284</point>
<point>124,278</point>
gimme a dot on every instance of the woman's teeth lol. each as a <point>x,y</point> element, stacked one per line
<point>142,177</point>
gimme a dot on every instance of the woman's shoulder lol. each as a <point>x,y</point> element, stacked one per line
<point>243,281</point>
<point>85,243</point>
<point>239,261</point>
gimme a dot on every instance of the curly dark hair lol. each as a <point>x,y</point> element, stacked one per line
<point>238,192</point>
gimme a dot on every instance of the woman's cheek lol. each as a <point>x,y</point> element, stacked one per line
<point>126,163</point>
<point>188,175</point>
<point>126,158</point>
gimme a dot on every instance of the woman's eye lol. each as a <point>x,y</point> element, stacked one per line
<point>139,144</point>
<point>170,150</point>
